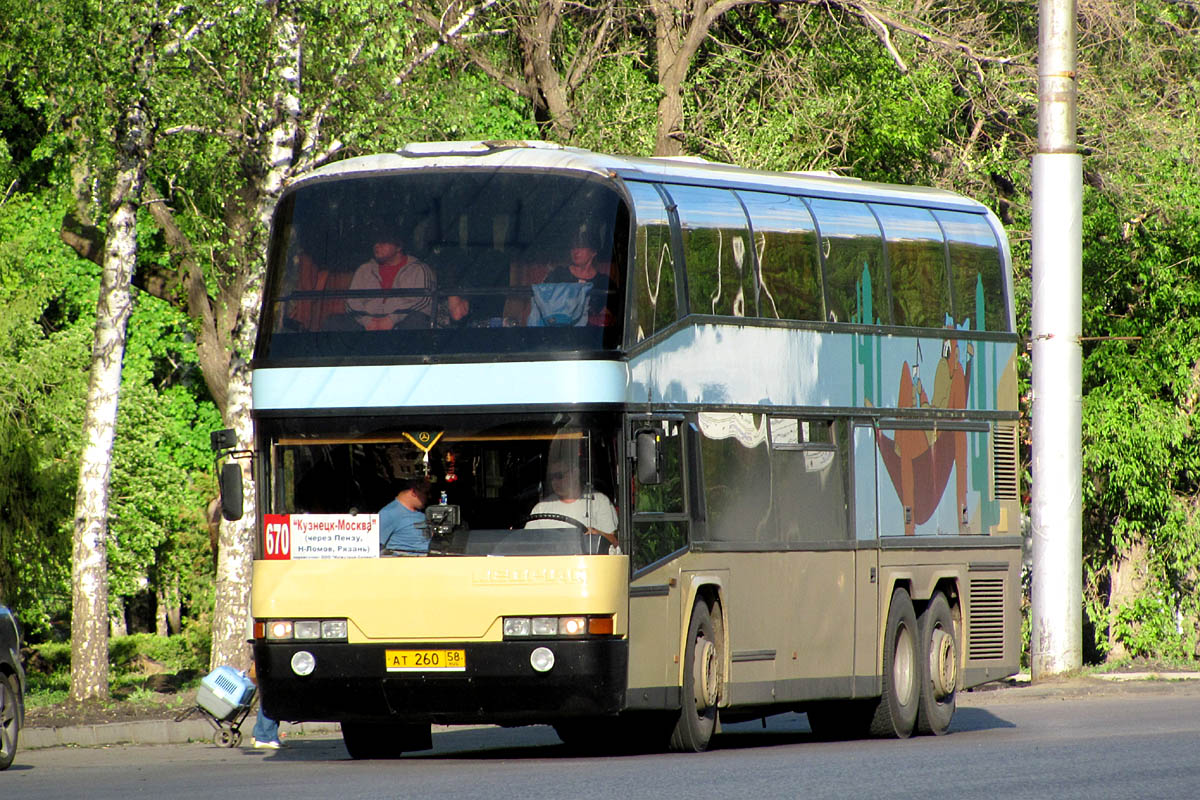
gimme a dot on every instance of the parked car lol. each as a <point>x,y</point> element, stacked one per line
<point>12,687</point>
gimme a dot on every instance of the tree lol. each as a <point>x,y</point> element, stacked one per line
<point>556,47</point>
<point>281,109</point>
<point>89,574</point>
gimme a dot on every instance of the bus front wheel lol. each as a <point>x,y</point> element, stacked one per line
<point>384,739</point>
<point>938,654</point>
<point>896,714</point>
<point>703,667</point>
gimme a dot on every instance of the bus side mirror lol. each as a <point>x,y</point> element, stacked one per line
<point>224,439</point>
<point>649,453</point>
<point>231,490</point>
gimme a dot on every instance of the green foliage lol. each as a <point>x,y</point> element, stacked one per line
<point>162,475</point>
<point>1141,448</point>
<point>1148,627</point>
<point>49,663</point>
<point>176,653</point>
<point>45,338</point>
<point>780,86</point>
<point>620,101</point>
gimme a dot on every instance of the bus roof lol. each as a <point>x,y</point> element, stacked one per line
<point>525,154</point>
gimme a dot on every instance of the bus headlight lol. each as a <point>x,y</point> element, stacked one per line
<point>573,626</point>
<point>542,659</point>
<point>303,663</point>
<point>516,626</point>
<point>306,629</point>
<point>279,629</point>
<point>334,629</point>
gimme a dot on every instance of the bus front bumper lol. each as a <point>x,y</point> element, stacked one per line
<point>497,683</point>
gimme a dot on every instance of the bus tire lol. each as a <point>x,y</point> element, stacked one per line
<point>896,714</point>
<point>703,666</point>
<point>368,740</point>
<point>938,655</point>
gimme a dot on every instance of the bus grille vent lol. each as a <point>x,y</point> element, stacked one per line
<point>985,638</point>
<point>1004,462</point>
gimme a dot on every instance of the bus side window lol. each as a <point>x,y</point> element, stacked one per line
<point>853,253</point>
<point>654,270</point>
<point>785,241</point>
<point>978,274</point>
<point>716,251</point>
<point>808,466</point>
<point>916,265</point>
<point>737,477</point>
<point>660,524</point>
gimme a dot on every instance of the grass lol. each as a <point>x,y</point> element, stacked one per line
<point>1144,665</point>
<point>48,667</point>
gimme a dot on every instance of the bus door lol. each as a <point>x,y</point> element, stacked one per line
<point>866,561</point>
<point>659,525</point>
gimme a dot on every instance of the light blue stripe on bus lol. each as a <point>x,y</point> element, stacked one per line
<point>722,365</point>
<point>508,383</point>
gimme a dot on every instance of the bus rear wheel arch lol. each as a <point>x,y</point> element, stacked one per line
<point>703,679</point>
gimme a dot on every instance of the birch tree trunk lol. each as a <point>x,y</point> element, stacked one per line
<point>235,556</point>
<point>89,576</point>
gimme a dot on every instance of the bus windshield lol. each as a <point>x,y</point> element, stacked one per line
<point>445,261</point>
<point>492,486</point>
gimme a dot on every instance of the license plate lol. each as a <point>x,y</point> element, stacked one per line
<point>426,661</point>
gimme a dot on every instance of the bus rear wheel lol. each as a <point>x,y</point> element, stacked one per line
<point>366,740</point>
<point>896,714</point>
<point>703,666</point>
<point>938,655</point>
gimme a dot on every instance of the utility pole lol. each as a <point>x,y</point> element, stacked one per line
<point>1057,506</point>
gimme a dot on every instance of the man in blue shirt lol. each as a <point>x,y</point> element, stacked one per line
<point>402,521</point>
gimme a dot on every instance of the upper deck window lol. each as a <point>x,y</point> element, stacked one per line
<point>917,264</point>
<point>654,274</point>
<point>445,262</point>
<point>976,269</point>
<point>785,241</point>
<point>716,251</point>
<point>853,251</point>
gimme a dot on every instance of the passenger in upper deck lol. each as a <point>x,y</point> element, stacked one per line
<point>391,268</point>
<point>473,266</point>
<point>583,268</point>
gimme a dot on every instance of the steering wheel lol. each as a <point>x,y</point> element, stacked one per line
<point>559,518</point>
<point>590,546</point>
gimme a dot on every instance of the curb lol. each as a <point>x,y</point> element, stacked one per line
<point>166,731</point>
<point>158,731</point>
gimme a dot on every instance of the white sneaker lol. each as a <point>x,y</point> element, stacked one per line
<point>268,745</point>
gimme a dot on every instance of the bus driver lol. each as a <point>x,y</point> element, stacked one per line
<point>594,510</point>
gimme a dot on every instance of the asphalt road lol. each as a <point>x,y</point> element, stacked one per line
<point>1140,742</point>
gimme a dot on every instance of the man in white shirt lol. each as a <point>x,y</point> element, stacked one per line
<point>594,510</point>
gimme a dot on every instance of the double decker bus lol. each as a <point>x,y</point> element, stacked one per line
<point>693,444</point>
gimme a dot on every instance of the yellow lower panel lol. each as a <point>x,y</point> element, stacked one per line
<point>440,599</point>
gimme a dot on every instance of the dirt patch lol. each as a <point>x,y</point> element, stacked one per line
<point>63,715</point>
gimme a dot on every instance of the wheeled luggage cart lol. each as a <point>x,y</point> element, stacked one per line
<point>224,699</point>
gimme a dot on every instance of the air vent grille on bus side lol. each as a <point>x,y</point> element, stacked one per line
<point>1004,461</point>
<point>985,634</point>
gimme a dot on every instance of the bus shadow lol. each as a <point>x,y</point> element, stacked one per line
<point>540,741</point>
